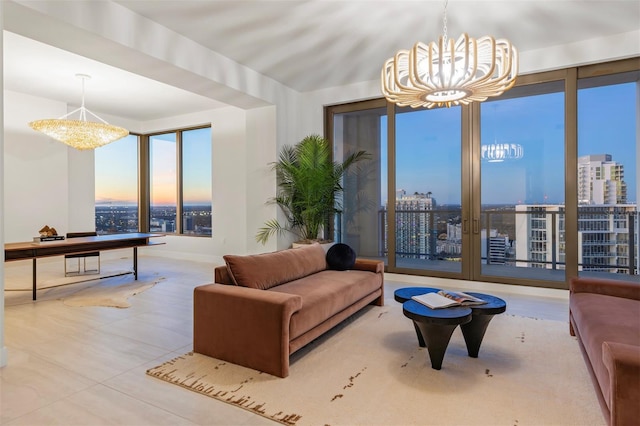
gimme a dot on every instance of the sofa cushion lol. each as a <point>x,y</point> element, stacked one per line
<point>341,257</point>
<point>600,318</point>
<point>263,271</point>
<point>325,294</point>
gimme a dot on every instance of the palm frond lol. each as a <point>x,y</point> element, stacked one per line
<point>308,183</point>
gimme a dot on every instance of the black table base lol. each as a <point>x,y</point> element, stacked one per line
<point>434,327</point>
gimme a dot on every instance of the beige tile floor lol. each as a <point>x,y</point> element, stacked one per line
<point>86,366</point>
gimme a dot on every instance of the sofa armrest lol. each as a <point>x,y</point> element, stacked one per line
<point>221,275</point>
<point>623,363</point>
<point>616,288</point>
<point>245,326</point>
<point>377,267</point>
<point>370,265</point>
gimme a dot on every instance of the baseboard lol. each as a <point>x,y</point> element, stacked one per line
<point>478,286</point>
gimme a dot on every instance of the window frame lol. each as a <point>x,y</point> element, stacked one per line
<point>470,130</point>
<point>144,177</point>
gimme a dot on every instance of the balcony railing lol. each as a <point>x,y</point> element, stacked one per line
<point>436,235</point>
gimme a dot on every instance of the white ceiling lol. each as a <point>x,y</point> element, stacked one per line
<point>305,45</point>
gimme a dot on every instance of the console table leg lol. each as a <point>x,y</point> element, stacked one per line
<point>437,339</point>
<point>473,333</point>
<point>135,263</point>
<point>33,274</point>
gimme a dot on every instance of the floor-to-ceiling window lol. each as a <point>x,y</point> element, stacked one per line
<point>156,183</point>
<point>180,181</point>
<point>362,221</point>
<point>607,174</point>
<point>532,187</point>
<point>196,181</point>
<point>428,190</point>
<point>116,177</point>
<point>522,202</point>
<point>163,171</point>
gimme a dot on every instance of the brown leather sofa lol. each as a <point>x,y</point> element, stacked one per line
<point>605,316</point>
<point>262,308</point>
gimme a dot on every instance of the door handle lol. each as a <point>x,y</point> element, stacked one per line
<point>476,225</point>
<point>465,226</point>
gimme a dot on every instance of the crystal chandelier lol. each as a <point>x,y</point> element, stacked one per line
<point>450,73</point>
<point>498,152</point>
<point>80,134</point>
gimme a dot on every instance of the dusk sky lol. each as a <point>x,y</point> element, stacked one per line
<point>428,151</point>
<point>117,170</point>
<point>428,145</point>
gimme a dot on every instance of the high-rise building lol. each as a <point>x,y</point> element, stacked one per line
<point>601,180</point>
<point>606,237</point>
<point>416,233</point>
<point>493,247</point>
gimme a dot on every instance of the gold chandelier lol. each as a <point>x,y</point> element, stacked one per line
<point>80,134</point>
<point>450,73</point>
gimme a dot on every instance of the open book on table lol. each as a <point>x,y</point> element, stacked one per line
<point>447,299</point>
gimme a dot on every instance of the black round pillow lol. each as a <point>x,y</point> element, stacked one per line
<point>341,257</point>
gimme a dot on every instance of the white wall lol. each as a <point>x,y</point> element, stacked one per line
<point>243,143</point>
<point>81,189</point>
<point>36,170</point>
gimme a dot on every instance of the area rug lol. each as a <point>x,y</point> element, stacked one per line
<point>371,371</point>
<point>111,292</point>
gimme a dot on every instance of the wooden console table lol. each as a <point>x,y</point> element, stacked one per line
<point>33,250</point>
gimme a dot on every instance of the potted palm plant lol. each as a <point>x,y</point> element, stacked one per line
<point>308,184</point>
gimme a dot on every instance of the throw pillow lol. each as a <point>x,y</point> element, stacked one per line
<point>266,270</point>
<point>341,257</point>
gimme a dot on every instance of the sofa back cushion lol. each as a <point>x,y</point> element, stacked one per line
<point>266,270</point>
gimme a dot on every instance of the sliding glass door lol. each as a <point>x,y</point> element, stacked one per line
<point>362,221</point>
<point>428,190</point>
<point>533,187</point>
<point>522,140</point>
<point>608,175</point>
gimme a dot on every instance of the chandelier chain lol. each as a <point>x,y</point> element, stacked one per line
<point>444,22</point>
<point>83,115</point>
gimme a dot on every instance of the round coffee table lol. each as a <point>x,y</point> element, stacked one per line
<point>434,327</point>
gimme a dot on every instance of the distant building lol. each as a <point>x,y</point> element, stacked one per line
<point>605,237</point>
<point>452,244</point>
<point>494,247</point>
<point>416,233</point>
<point>601,180</point>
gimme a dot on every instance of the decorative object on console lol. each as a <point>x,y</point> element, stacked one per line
<point>447,73</point>
<point>80,134</point>
<point>309,183</point>
<point>47,231</point>
<point>48,234</point>
<point>341,257</point>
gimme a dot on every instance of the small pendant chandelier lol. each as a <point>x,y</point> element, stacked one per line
<point>499,152</point>
<point>80,134</point>
<point>450,73</point>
